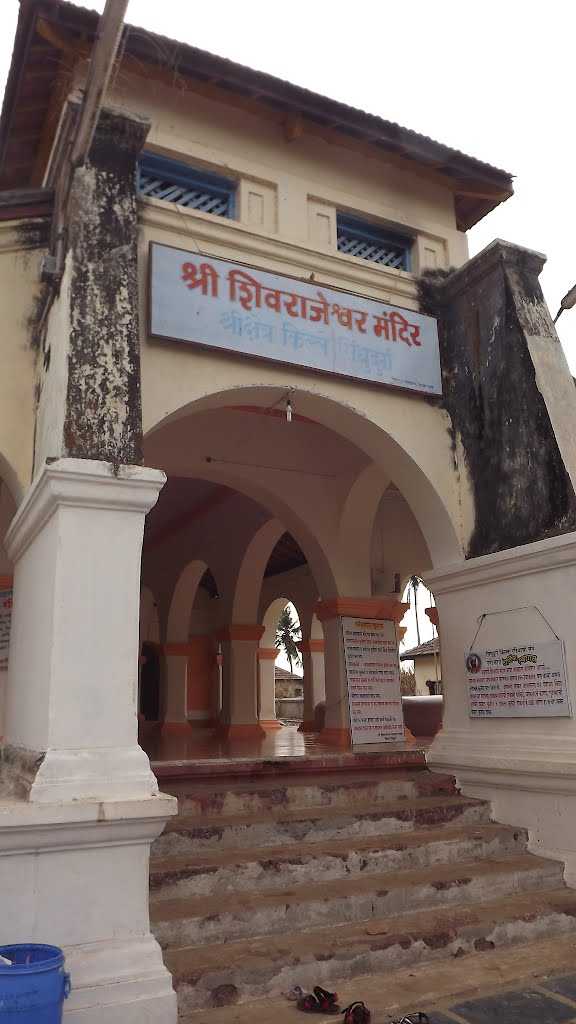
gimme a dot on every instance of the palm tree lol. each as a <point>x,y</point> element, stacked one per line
<point>414,583</point>
<point>287,636</point>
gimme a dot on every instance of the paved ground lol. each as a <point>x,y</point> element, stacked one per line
<point>531,984</point>
<point>551,1003</point>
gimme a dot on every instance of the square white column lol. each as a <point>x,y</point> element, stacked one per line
<point>79,805</point>
<point>71,698</point>
<point>240,679</point>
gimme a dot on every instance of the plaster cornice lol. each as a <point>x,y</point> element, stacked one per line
<point>541,556</point>
<point>81,483</point>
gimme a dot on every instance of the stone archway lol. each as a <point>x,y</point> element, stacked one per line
<point>321,477</point>
<point>423,474</point>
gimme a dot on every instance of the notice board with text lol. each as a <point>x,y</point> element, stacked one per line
<point>521,681</point>
<point>373,676</point>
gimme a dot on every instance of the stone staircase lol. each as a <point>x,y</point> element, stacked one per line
<point>261,884</point>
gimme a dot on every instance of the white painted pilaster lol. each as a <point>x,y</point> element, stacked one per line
<point>79,805</point>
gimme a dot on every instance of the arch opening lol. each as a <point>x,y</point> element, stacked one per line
<point>258,510</point>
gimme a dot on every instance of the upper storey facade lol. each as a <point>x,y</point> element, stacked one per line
<point>230,163</point>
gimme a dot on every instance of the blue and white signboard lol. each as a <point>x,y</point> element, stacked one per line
<point>215,303</point>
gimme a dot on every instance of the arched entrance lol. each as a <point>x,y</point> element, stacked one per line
<point>355,507</point>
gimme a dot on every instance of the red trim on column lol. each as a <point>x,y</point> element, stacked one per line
<point>361,608</point>
<point>241,632</point>
<point>177,649</point>
<point>311,646</point>
<point>267,653</point>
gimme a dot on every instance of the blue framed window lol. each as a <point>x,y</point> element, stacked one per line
<point>370,242</point>
<point>175,182</point>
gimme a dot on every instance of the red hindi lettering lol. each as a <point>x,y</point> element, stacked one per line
<point>204,277</point>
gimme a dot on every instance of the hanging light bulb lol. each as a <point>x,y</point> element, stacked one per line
<point>288,410</point>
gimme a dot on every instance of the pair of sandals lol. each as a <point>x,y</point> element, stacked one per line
<point>327,1003</point>
<point>357,1013</point>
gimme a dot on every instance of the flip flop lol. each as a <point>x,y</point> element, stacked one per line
<point>357,1013</point>
<point>325,998</point>
<point>415,1018</point>
<point>311,1004</point>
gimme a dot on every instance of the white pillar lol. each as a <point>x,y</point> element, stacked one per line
<point>267,688</point>
<point>79,805</point>
<point>312,651</point>
<point>525,765</point>
<point>240,680</point>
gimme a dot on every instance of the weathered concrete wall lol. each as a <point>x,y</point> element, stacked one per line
<point>500,418</point>
<point>90,403</point>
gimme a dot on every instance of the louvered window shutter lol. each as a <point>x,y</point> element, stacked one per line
<point>369,242</point>
<point>175,182</point>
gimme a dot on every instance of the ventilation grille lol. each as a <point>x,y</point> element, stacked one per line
<point>173,182</point>
<point>368,243</point>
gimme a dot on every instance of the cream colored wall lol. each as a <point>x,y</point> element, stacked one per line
<point>19,282</point>
<point>294,187</point>
<point>398,545</point>
<point>424,670</point>
<point>408,436</point>
<point>288,194</point>
<point>300,184</point>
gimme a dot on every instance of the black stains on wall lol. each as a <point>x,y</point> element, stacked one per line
<point>103,418</point>
<point>521,490</point>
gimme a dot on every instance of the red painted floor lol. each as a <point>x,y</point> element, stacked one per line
<point>174,750</point>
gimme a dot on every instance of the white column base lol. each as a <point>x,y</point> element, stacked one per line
<point>119,983</point>
<point>76,875</point>
<point>114,773</point>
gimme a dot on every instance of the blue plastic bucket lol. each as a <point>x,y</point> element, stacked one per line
<point>33,988</point>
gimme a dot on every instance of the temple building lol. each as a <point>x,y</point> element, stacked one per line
<point>246,362</point>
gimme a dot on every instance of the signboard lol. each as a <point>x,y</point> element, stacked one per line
<point>518,682</point>
<point>5,620</point>
<point>373,674</point>
<point>215,303</point>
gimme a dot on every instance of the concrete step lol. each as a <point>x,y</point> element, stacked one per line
<point>214,975</point>
<point>228,916</point>
<point>345,789</point>
<point>227,767</point>
<point>268,868</point>
<point>184,835</point>
<point>434,988</point>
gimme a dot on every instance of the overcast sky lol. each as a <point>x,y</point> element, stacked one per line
<point>494,80</point>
